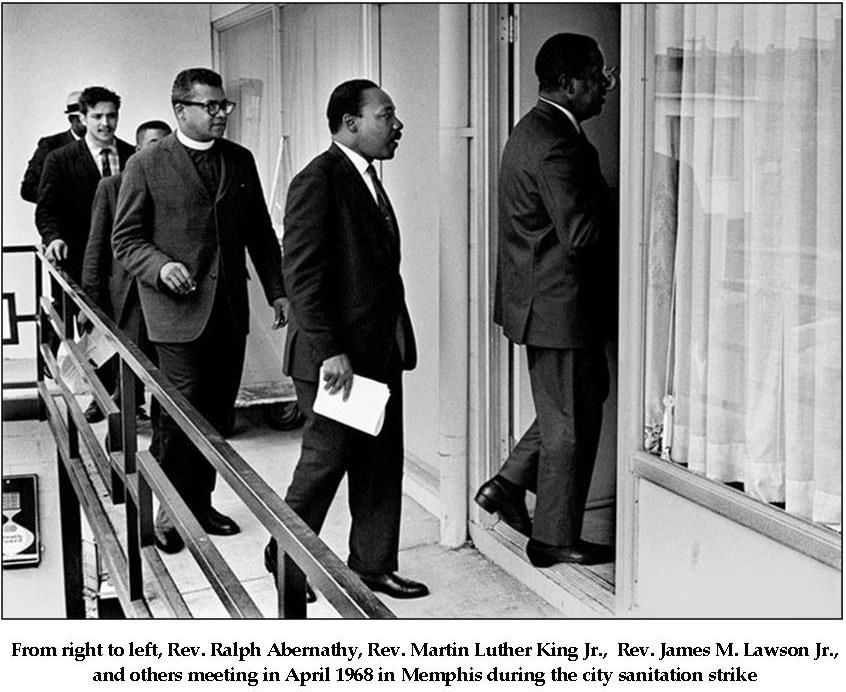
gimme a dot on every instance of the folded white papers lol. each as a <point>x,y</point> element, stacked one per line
<point>96,347</point>
<point>365,408</point>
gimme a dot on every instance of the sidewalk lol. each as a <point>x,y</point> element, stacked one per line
<point>462,582</point>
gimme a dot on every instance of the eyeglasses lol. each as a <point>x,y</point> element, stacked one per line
<point>212,107</point>
<point>611,79</point>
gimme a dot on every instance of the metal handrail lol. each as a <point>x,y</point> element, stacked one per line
<point>31,317</point>
<point>133,477</point>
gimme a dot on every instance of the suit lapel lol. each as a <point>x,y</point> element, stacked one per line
<point>359,188</point>
<point>183,164</point>
<point>355,181</point>
<point>89,167</point>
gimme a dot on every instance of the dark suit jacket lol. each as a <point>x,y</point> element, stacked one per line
<point>29,184</point>
<point>556,274</point>
<point>165,213</point>
<point>341,269</point>
<point>106,281</point>
<point>67,188</point>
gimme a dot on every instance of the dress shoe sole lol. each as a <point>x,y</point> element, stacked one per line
<point>172,545</point>
<point>549,560</point>
<point>221,530</point>
<point>493,506</point>
<point>405,595</point>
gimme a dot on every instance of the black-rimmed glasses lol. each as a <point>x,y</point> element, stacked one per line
<point>212,107</point>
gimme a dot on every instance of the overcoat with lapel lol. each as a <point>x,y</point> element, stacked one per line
<point>556,278</point>
<point>165,213</point>
<point>341,268</point>
<point>32,176</point>
<point>68,183</point>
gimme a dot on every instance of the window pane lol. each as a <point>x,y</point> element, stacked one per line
<point>744,289</point>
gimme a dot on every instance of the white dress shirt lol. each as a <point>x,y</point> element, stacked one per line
<point>95,148</point>
<point>564,111</point>
<point>361,166</point>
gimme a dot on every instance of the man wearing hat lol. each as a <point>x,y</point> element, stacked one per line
<point>29,185</point>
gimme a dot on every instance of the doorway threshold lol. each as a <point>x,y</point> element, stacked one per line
<point>577,591</point>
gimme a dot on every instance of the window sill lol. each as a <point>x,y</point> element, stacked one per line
<point>815,541</point>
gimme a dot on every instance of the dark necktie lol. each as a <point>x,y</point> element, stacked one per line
<point>104,158</point>
<point>382,200</point>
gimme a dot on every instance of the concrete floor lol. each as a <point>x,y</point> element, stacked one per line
<point>463,583</point>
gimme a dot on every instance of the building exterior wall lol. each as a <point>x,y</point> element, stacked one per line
<point>664,568</point>
<point>409,40</point>
<point>692,562</point>
<point>138,57</point>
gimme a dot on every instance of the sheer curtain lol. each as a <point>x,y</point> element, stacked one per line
<point>322,46</point>
<point>744,245</point>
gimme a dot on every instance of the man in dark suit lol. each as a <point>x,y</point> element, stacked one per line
<point>70,177</point>
<point>348,315</point>
<point>68,183</point>
<point>32,176</point>
<point>106,281</point>
<point>188,208</point>
<point>554,293</point>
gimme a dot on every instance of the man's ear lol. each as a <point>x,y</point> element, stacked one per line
<point>350,122</point>
<point>566,84</point>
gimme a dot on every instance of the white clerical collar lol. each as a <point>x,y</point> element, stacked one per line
<point>564,111</point>
<point>357,159</point>
<point>193,143</point>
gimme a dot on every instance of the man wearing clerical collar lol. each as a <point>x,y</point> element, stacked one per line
<point>188,209</point>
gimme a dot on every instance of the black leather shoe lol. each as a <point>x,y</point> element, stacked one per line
<point>497,498</point>
<point>168,539</point>
<point>93,414</point>
<point>217,524</point>
<point>394,585</point>
<point>583,553</point>
<point>270,566</point>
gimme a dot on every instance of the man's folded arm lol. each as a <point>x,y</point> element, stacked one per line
<point>572,200</point>
<point>130,242</point>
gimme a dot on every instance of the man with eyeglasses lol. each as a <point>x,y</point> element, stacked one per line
<point>188,209</point>
<point>555,293</point>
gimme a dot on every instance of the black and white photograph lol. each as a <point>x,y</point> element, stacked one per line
<point>458,312</point>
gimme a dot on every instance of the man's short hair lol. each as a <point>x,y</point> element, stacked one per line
<point>184,83</point>
<point>564,54</point>
<point>91,96</point>
<point>346,98</point>
<point>151,125</point>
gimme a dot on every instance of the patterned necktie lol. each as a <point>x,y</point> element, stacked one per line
<point>104,159</point>
<point>382,200</point>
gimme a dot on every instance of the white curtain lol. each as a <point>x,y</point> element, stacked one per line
<point>744,234</point>
<point>322,46</point>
